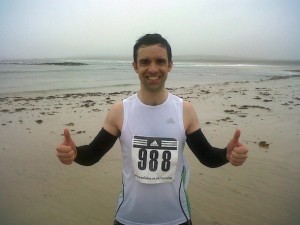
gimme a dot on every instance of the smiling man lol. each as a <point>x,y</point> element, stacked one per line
<point>153,126</point>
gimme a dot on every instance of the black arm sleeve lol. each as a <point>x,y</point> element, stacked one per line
<point>209,156</point>
<point>88,155</point>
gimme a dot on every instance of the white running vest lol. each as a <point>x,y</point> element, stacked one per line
<point>155,172</point>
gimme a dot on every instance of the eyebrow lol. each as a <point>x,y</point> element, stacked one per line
<point>146,60</point>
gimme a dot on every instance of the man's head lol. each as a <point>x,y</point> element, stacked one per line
<point>152,39</point>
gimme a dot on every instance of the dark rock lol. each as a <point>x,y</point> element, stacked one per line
<point>263,144</point>
<point>39,121</point>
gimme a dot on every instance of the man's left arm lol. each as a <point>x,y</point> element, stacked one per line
<point>210,156</point>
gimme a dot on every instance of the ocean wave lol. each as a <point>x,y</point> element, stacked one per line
<point>284,77</point>
<point>213,65</point>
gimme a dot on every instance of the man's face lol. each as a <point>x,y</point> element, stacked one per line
<point>152,66</point>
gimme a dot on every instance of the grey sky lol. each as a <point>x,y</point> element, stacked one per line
<point>63,28</point>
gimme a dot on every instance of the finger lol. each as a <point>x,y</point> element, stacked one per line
<point>236,135</point>
<point>63,148</point>
<point>237,163</point>
<point>65,155</point>
<point>235,155</point>
<point>237,159</point>
<point>241,149</point>
<point>66,161</point>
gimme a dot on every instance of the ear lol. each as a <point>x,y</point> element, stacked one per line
<point>134,65</point>
<point>170,66</point>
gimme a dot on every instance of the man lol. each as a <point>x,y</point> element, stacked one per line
<point>153,126</point>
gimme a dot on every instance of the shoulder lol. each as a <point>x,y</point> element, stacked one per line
<point>116,111</point>
<point>117,107</point>
<point>188,107</point>
<point>114,119</point>
<point>190,118</point>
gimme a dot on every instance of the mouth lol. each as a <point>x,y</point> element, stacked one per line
<point>153,77</point>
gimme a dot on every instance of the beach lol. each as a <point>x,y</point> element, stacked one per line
<point>37,189</point>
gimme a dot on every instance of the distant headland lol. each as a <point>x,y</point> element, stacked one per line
<point>48,63</point>
<point>63,64</point>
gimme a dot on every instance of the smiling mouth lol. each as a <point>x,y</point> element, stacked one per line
<point>153,77</point>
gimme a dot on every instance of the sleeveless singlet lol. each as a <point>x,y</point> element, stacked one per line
<point>155,172</point>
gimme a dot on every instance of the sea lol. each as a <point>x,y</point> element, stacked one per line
<point>65,75</point>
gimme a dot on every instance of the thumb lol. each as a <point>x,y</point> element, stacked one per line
<point>68,140</point>
<point>67,135</point>
<point>236,136</point>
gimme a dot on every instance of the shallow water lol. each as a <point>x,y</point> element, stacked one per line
<point>17,76</point>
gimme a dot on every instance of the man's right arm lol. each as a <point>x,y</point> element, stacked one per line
<point>88,155</point>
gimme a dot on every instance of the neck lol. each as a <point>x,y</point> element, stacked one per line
<point>153,98</point>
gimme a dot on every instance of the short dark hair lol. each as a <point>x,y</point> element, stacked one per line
<point>152,39</point>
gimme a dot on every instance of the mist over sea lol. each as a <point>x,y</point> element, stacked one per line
<point>102,75</point>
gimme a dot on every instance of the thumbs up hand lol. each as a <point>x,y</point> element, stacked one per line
<point>66,151</point>
<point>236,152</point>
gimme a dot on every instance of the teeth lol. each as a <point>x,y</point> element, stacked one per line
<point>153,78</point>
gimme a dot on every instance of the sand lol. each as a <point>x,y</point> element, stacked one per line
<point>37,189</point>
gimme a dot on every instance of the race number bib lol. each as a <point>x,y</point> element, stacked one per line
<point>154,159</point>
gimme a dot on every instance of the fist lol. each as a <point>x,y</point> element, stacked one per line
<point>236,152</point>
<point>66,151</point>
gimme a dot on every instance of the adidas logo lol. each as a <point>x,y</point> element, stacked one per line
<point>154,143</point>
<point>170,121</point>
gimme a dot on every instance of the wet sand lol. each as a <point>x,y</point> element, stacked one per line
<point>37,189</point>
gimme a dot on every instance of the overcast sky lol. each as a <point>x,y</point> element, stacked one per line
<point>64,28</point>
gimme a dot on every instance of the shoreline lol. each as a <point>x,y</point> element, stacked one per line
<point>35,187</point>
<point>132,87</point>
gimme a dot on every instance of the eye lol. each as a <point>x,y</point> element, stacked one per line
<point>161,61</point>
<point>144,61</point>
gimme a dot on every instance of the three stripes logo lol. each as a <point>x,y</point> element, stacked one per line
<point>155,143</point>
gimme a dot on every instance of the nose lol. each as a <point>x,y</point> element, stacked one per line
<point>152,68</point>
